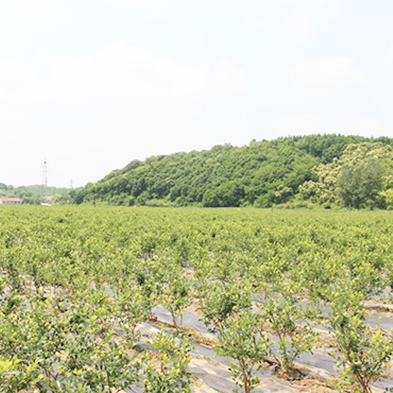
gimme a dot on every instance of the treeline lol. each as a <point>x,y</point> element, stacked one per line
<point>330,170</point>
<point>33,194</point>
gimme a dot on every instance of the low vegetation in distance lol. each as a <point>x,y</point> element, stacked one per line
<point>36,194</point>
<point>316,170</point>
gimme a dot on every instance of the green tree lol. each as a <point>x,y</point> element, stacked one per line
<point>360,185</point>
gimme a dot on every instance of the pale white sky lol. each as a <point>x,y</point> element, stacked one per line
<point>90,85</point>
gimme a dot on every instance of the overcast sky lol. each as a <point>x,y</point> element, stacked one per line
<point>90,85</point>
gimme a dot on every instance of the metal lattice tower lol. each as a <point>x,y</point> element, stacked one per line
<point>45,174</point>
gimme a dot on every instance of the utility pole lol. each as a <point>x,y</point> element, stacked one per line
<point>44,182</point>
<point>45,175</point>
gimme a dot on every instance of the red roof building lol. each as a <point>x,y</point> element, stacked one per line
<point>10,201</point>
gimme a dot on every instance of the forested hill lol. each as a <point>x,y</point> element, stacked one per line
<point>262,173</point>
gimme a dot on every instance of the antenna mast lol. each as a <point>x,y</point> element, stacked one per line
<point>45,174</point>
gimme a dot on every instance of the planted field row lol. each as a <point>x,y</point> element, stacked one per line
<point>117,299</point>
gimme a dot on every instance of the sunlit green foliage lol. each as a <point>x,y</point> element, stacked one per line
<point>76,283</point>
<point>361,177</point>
<point>260,174</point>
<point>362,352</point>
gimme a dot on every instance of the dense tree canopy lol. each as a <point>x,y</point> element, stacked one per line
<point>260,174</point>
<point>360,178</point>
<point>359,185</point>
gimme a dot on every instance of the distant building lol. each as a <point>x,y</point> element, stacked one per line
<point>46,200</point>
<point>10,201</point>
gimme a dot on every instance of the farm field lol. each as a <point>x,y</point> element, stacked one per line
<point>195,300</point>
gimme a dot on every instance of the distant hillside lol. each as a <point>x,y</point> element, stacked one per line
<point>32,194</point>
<point>259,174</point>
